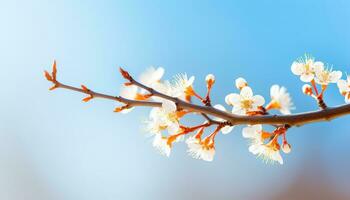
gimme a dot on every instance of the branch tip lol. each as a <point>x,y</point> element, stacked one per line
<point>48,76</point>
<point>125,74</point>
<point>54,70</point>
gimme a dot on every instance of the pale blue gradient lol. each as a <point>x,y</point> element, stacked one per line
<point>53,146</point>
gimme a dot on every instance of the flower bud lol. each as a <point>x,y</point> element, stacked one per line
<point>241,83</point>
<point>210,79</point>
<point>307,89</point>
<point>286,148</point>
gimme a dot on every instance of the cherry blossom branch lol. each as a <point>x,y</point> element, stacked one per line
<point>171,101</point>
<point>299,119</point>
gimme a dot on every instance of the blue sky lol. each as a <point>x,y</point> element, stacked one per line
<point>53,146</point>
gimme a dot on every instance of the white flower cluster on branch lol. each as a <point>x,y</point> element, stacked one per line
<point>173,99</point>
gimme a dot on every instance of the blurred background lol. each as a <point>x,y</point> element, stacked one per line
<point>53,146</point>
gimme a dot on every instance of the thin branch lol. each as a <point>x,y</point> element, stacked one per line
<point>114,98</point>
<point>292,120</point>
<point>299,119</point>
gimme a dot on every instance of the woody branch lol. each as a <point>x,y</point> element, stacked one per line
<point>299,119</point>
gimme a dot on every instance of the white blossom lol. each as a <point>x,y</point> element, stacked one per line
<point>164,118</point>
<point>199,149</point>
<point>151,76</point>
<point>161,119</point>
<point>306,68</point>
<point>182,85</point>
<point>326,76</point>
<point>344,88</point>
<point>281,99</point>
<point>268,152</point>
<point>245,101</point>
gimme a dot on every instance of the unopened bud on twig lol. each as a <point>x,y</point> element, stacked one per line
<point>241,83</point>
<point>125,74</point>
<point>210,79</point>
<point>307,89</point>
<point>286,148</point>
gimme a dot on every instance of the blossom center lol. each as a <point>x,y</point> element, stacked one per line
<point>247,104</point>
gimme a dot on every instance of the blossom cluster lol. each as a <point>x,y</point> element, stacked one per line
<point>166,129</point>
<point>314,73</point>
<point>173,99</point>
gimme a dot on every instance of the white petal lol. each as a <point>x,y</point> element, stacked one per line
<point>220,107</point>
<point>307,77</point>
<point>190,81</point>
<point>274,91</point>
<point>343,86</point>
<point>227,99</point>
<point>285,111</point>
<point>257,127</point>
<point>173,128</point>
<point>249,132</point>
<point>297,68</point>
<point>277,157</point>
<point>168,106</point>
<point>208,155</point>
<point>238,110</point>
<point>258,100</point>
<point>335,76</point>
<point>125,111</point>
<point>160,144</point>
<point>240,83</point>
<point>247,92</point>
<point>210,77</point>
<point>318,66</point>
<point>158,74</point>
<point>233,99</point>
<point>129,92</point>
<point>227,129</point>
<point>255,148</point>
<point>347,98</point>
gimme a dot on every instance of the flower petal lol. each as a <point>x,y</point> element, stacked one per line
<point>318,66</point>
<point>227,129</point>
<point>347,98</point>
<point>307,77</point>
<point>129,92</point>
<point>297,68</point>
<point>274,91</point>
<point>173,128</point>
<point>277,157</point>
<point>343,86</point>
<point>158,74</point>
<point>255,148</point>
<point>220,107</point>
<point>249,132</point>
<point>335,76</point>
<point>190,81</point>
<point>233,99</point>
<point>247,92</point>
<point>258,100</point>
<point>168,106</point>
<point>125,111</point>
